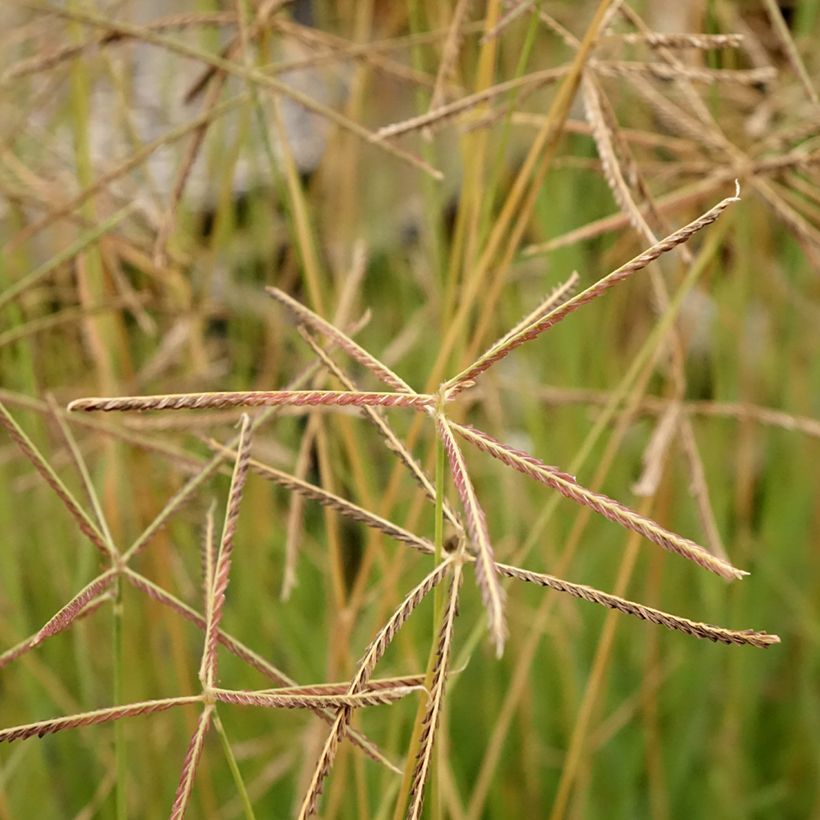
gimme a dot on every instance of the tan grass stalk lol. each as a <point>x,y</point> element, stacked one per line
<point>183,173</point>
<point>492,593</point>
<point>443,113</point>
<point>603,505</point>
<point>676,200</point>
<point>658,39</point>
<point>265,10</point>
<point>789,46</point>
<point>517,8</point>
<point>88,528</point>
<point>346,700</point>
<point>449,52</point>
<point>189,766</point>
<point>679,122</point>
<point>47,727</point>
<point>501,351</point>
<point>329,331</point>
<point>245,654</point>
<point>222,568</point>
<point>656,452</point>
<point>325,47</point>
<point>700,489</point>
<point>793,219</point>
<point>713,409</point>
<point>436,700</point>
<point>375,651</point>
<point>707,76</point>
<point>252,398</point>
<point>718,634</point>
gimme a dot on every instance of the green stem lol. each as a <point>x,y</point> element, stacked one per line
<point>234,767</point>
<point>119,726</point>
<point>438,612</point>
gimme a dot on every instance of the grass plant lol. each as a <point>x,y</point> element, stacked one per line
<point>471,167</point>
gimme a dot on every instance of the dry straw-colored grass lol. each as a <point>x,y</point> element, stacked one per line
<point>490,234</point>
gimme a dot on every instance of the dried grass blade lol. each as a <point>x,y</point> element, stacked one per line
<point>49,727</point>
<point>192,755</point>
<point>718,634</point>
<point>501,351</point>
<point>87,526</point>
<point>436,701</point>
<point>247,655</point>
<point>222,569</point>
<point>378,646</point>
<point>324,328</point>
<point>492,593</point>
<point>252,398</point>
<point>614,511</point>
<point>76,606</point>
<point>289,700</point>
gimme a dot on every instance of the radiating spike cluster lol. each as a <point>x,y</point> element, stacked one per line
<point>605,506</point>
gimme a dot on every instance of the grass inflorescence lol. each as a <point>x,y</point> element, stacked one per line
<point>427,221</point>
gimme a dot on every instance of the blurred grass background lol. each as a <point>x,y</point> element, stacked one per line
<point>588,714</point>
